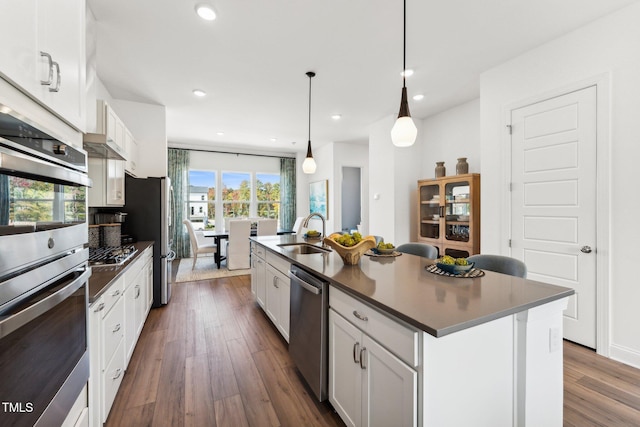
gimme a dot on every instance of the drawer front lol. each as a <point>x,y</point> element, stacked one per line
<point>112,331</point>
<point>398,337</point>
<point>112,295</point>
<point>279,263</point>
<point>260,251</point>
<point>111,379</point>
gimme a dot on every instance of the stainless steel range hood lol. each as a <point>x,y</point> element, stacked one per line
<point>99,145</point>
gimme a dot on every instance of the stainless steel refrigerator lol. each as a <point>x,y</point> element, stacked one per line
<point>148,205</point>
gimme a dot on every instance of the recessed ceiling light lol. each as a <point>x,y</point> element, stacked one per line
<point>418,97</point>
<point>273,139</point>
<point>407,73</point>
<point>199,92</point>
<point>336,116</point>
<point>206,12</point>
<point>220,133</point>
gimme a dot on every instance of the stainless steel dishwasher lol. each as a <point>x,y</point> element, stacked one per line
<point>308,330</point>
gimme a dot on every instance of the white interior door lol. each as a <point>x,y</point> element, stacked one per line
<point>553,199</point>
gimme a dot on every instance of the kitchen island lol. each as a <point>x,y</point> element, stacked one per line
<point>488,350</point>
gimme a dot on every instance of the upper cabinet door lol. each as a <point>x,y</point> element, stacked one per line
<point>42,52</point>
<point>18,43</point>
<point>61,34</point>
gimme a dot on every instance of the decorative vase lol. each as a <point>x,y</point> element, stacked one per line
<point>440,169</point>
<point>462,167</point>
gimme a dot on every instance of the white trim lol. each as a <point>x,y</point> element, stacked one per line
<point>602,82</point>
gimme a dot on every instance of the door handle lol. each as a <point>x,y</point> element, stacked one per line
<point>586,249</point>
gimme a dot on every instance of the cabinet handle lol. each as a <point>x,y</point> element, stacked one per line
<point>57,87</point>
<point>117,374</point>
<point>115,293</point>
<point>360,316</point>
<point>137,292</point>
<point>275,282</point>
<point>100,307</point>
<point>356,353</point>
<point>116,328</point>
<point>362,365</point>
<point>50,79</point>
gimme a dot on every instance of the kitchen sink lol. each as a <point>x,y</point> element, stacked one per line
<point>304,248</point>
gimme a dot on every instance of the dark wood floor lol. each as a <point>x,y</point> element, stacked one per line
<point>212,358</point>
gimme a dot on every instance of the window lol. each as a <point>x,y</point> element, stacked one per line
<point>236,194</point>
<point>202,199</point>
<point>268,195</point>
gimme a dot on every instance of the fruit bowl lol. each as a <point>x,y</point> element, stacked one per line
<point>351,254</point>
<point>454,268</point>
<point>385,251</point>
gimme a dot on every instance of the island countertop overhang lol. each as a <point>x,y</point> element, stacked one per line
<point>402,287</point>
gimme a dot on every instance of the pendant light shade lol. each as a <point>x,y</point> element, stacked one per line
<point>309,165</point>
<point>404,131</point>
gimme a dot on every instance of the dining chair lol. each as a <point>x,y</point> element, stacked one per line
<point>500,264</point>
<point>198,246</point>
<point>297,226</point>
<point>238,249</point>
<point>420,249</point>
<point>267,227</point>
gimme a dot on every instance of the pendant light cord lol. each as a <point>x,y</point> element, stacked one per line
<point>404,43</point>
<point>310,76</point>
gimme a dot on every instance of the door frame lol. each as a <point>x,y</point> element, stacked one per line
<point>602,82</point>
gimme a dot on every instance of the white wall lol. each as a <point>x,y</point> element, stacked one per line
<point>610,47</point>
<point>148,125</point>
<point>449,135</point>
<point>393,175</point>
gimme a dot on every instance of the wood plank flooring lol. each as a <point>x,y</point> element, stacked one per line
<point>212,358</point>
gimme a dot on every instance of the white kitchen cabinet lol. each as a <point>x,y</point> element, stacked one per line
<point>270,286</point>
<point>108,182</point>
<point>277,301</point>
<point>106,351</point>
<point>260,276</point>
<point>131,151</point>
<point>45,54</point>
<point>368,384</point>
<point>116,319</point>
<point>135,297</point>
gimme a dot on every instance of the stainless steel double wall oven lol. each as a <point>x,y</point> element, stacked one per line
<point>44,362</point>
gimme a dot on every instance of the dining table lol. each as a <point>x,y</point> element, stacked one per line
<point>220,235</point>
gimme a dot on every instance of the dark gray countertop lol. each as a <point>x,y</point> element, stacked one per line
<point>101,277</point>
<point>438,305</point>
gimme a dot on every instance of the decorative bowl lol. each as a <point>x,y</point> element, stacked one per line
<point>351,255</point>
<point>385,251</point>
<point>454,268</point>
<point>307,236</point>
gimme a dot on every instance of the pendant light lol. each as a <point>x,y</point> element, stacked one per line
<point>309,165</point>
<point>404,131</point>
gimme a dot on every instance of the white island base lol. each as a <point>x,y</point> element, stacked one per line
<point>507,372</point>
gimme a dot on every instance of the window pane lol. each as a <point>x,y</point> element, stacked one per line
<point>202,195</point>
<point>268,190</point>
<point>236,193</point>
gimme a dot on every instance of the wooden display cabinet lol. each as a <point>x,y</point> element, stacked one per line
<point>449,214</point>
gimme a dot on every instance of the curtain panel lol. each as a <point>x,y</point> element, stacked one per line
<point>287,193</point>
<point>179,174</point>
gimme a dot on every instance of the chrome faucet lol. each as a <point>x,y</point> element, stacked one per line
<point>305,223</point>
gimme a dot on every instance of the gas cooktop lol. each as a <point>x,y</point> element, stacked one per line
<point>109,256</point>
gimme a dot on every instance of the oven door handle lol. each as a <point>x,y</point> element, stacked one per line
<point>17,320</point>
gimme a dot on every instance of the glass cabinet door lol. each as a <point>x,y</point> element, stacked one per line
<point>457,211</point>
<point>430,211</point>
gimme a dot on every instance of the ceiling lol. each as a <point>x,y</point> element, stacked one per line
<point>252,60</point>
